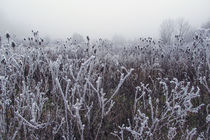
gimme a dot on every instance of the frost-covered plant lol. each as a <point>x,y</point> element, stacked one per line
<point>167,113</point>
<point>67,90</point>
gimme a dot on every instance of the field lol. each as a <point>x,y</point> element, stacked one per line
<point>97,89</point>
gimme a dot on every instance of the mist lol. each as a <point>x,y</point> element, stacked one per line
<point>97,18</point>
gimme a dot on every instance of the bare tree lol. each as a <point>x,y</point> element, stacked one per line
<point>180,29</point>
<point>184,29</point>
<point>77,38</point>
<point>206,25</point>
<point>118,39</point>
<point>166,31</point>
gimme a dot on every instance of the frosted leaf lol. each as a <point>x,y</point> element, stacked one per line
<point>208,118</point>
<point>8,101</point>
<point>199,138</point>
<point>157,100</point>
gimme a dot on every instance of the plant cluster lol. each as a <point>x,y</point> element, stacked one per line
<point>72,89</point>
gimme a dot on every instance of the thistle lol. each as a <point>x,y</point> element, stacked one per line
<point>13,44</point>
<point>8,36</point>
<point>88,39</point>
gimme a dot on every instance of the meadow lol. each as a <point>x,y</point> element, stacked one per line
<point>99,89</point>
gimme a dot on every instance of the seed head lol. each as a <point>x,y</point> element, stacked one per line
<point>13,44</point>
<point>88,39</point>
<point>7,35</point>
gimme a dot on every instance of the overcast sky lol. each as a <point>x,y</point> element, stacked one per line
<point>97,18</point>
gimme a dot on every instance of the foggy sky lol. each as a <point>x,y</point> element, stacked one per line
<point>97,18</point>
